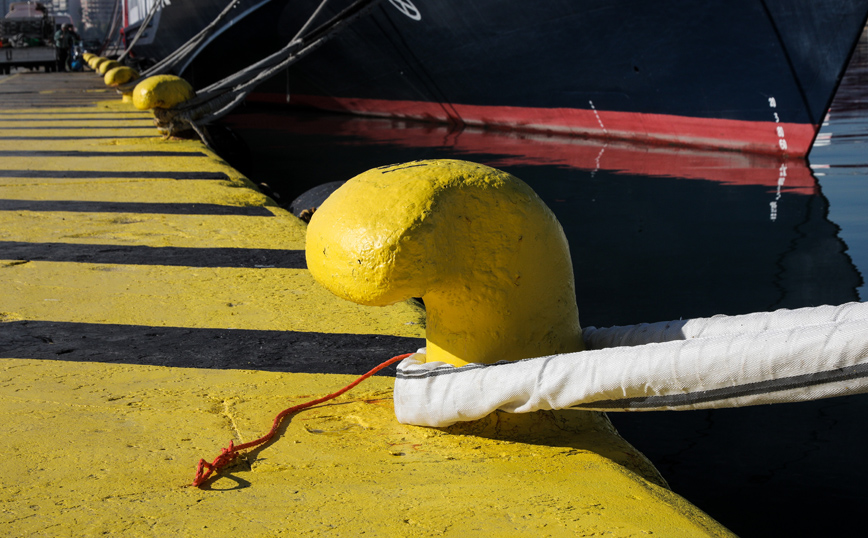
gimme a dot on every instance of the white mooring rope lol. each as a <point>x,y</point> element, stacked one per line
<point>723,361</point>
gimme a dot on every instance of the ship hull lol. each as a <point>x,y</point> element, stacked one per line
<point>745,75</point>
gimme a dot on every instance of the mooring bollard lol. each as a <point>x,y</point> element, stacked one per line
<point>477,245</point>
<point>121,75</point>
<point>161,92</point>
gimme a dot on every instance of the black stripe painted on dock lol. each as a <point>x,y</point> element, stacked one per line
<point>30,104</point>
<point>274,351</point>
<point>134,207</point>
<point>76,137</point>
<point>114,119</point>
<point>100,174</point>
<point>113,114</point>
<point>57,153</point>
<point>143,255</point>
<point>78,127</point>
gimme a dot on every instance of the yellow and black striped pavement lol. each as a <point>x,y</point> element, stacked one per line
<point>154,305</point>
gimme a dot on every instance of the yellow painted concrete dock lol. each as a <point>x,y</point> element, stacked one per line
<point>154,305</point>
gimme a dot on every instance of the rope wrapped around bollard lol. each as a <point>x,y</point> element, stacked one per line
<point>204,470</point>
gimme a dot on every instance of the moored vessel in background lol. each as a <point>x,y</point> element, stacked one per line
<point>751,75</point>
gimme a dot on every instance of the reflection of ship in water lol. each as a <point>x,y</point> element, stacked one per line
<point>851,98</point>
<point>656,233</point>
<point>839,159</point>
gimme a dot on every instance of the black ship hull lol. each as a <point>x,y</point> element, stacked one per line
<point>753,75</point>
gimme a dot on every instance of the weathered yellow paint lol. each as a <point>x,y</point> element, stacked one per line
<point>123,113</point>
<point>105,67</point>
<point>199,297</point>
<point>136,129</point>
<point>145,190</point>
<point>103,449</point>
<point>162,91</point>
<point>119,163</point>
<point>262,297</point>
<point>153,230</point>
<point>481,249</point>
<point>120,75</point>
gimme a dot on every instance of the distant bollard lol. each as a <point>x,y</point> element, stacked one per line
<point>121,75</point>
<point>105,67</point>
<point>486,255</point>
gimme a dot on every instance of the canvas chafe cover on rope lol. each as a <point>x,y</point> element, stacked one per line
<point>722,361</point>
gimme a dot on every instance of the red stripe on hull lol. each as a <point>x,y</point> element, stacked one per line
<point>769,137</point>
<point>511,148</point>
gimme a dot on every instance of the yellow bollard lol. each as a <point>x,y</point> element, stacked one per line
<point>486,255</point>
<point>120,75</point>
<point>105,67</point>
<point>95,62</point>
<point>162,91</point>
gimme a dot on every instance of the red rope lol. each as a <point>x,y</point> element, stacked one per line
<point>204,470</point>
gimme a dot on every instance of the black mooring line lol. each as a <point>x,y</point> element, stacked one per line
<point>827,377</point>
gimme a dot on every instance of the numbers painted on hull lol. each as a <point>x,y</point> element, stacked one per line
<point>782,141</point>
<point>407,8</point>
<point>782,177</point>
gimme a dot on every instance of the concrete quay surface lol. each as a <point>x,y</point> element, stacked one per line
<point>154,306</point>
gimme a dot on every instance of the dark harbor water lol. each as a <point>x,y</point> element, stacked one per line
<point>660,234</point>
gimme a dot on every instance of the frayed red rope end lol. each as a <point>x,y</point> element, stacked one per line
<point>204,470</point>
